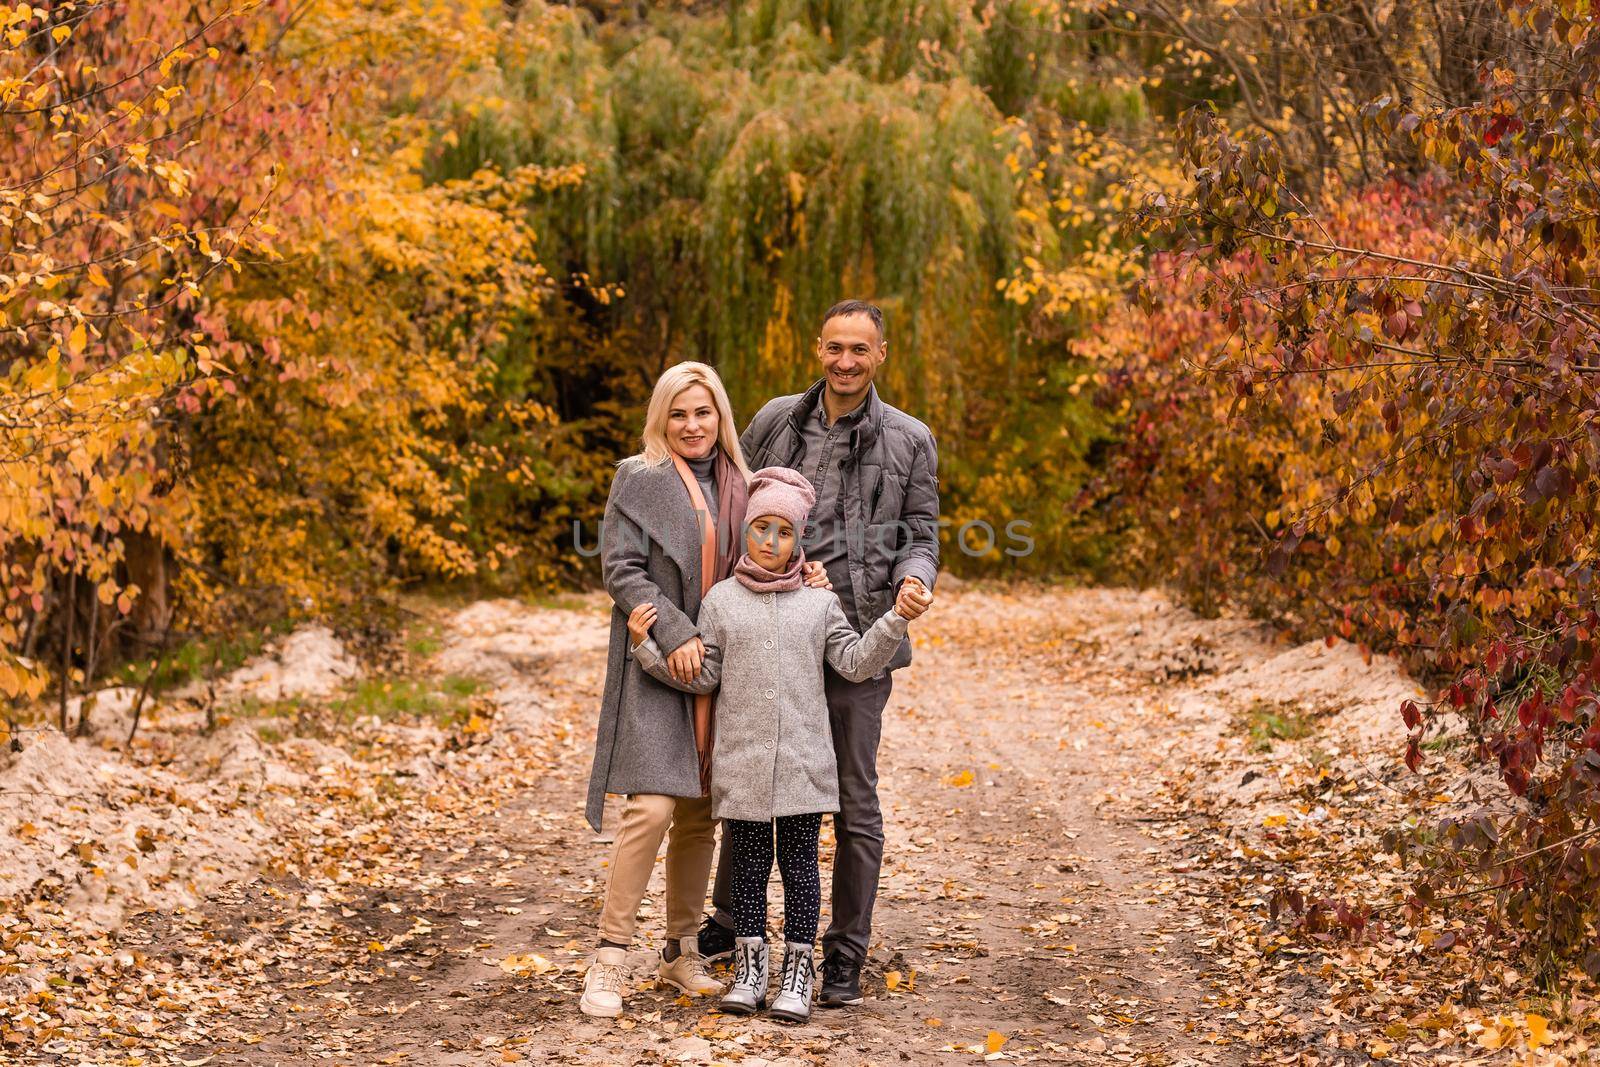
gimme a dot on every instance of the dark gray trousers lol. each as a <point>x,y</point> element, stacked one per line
<point>855,714</point>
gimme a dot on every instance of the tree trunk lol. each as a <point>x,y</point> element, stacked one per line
<point>66,648</point>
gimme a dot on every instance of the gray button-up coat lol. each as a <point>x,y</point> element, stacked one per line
<point>649,552</point>
<point>773,754</point>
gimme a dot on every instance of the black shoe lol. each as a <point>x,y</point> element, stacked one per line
<point>841,981</point>
<point>716,940</point>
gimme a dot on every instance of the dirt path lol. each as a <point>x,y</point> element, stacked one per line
<point>1117,832</point>
<point>1085,825</point>
<point>1022,899</point>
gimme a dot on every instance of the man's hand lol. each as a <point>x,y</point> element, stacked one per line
<point>640,620</point>
<point>914,598</point>
<point>684,662</point>
<point>816,576</point>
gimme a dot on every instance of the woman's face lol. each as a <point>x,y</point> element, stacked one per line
<point>770,542</point>
<point>692,423</point>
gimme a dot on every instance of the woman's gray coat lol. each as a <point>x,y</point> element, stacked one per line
<point>649,551</point>
<point>774,748</point>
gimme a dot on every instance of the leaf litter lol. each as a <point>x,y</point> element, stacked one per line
<point>1087,861</point>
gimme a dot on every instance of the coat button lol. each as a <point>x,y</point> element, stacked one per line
<point>767,643</point>
<point>771,693</point>
<point>769,743</point>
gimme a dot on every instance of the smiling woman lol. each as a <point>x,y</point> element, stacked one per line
<point>692,423</point>
<point>660,554</point>
<point>689,416</point>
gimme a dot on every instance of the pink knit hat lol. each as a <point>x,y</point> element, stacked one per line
<point>782,492</point>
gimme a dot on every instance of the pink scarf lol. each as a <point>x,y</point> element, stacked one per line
<point>716,531</point>
<point>754,576</point>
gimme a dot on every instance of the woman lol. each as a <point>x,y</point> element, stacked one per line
<point>673,528</point>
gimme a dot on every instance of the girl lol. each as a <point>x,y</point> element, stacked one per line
<point>767,637</point>
<point>671,530</point>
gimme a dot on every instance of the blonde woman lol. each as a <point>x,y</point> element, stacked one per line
<point>673,527</point>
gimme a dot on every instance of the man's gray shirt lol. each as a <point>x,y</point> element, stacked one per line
<point>826,448</point>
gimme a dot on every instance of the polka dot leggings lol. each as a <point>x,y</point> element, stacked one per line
<point>751,845</point>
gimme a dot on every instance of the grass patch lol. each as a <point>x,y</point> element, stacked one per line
<point>203,657</point>
<point>1267,721</point>
<point>560,601</point>
<point>459,685</point>
<point>422,637</point>
<point>446,700</point>
<point>256,708</point>
<point>423,645</point>
<point>1444,742</point>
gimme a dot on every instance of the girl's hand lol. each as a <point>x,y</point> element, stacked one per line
<point>815,575</point>
<point>684,662</point>
<point>914,598</point>
<point>640,620</point>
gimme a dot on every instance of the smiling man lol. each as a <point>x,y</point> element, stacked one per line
<point>875,525</point>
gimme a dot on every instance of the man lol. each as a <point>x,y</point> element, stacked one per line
<point>875,525</point>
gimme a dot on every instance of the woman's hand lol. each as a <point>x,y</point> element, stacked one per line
<point>815,574</point>
<point>684,662</point>
<point>914,598</point>
<point>640,620</point>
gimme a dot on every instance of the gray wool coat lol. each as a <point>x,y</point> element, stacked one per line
<point>774,749</point>
<point>649,551</point>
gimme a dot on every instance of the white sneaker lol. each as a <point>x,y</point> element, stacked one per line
<point>602,986</point>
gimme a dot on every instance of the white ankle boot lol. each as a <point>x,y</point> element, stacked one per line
<point>688,971</point>
<point>751,966</point>
<point>602,986</point>
<point>793,1003</point>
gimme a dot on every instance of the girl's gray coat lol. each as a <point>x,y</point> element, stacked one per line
<point>649,551</point>
<point>774,750</point>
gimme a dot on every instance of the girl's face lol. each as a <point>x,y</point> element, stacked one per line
<point>692,423</point>
<point>770,542</point>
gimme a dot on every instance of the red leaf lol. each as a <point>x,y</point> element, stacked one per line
<point>1411,715</point>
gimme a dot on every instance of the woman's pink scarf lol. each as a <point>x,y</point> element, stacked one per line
<point>754,576</point>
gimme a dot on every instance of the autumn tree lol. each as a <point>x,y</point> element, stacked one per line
<point>254,353</point>
<point>120,220</point>
<point>1300,73</point>
<point>746,164</point>
<point>1396,388</point>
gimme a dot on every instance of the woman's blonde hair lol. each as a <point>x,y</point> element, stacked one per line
<point>675,380</point>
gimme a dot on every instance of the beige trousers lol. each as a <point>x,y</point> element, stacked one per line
<point>645,819</point>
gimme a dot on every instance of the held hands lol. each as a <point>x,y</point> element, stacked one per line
<point>685,660</point>
<point>683,663</point>
<point>914,598</point>
<point>640,620</point>
<point>815,575</point>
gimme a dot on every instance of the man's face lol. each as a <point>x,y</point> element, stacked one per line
<point>851,352</point>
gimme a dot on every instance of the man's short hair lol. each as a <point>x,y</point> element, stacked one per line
<point>856,307</point>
